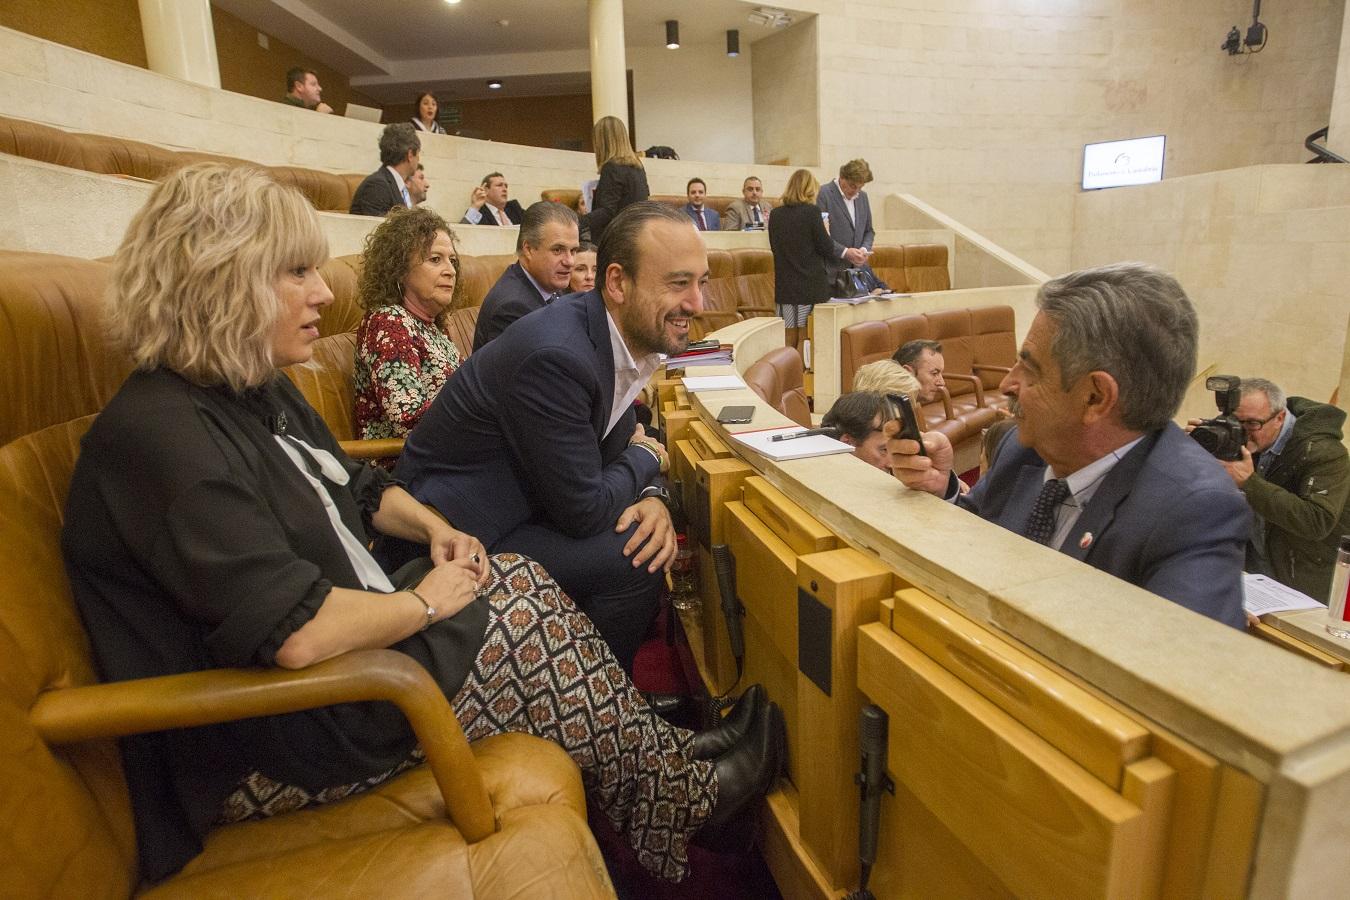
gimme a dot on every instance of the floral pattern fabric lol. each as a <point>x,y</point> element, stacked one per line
<point>401,365</point>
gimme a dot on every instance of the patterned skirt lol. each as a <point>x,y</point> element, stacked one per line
<point>543,669</point>
<point>793,314</point>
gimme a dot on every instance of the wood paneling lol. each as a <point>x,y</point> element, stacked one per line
<point>110,28</point>
<point>556,122</point>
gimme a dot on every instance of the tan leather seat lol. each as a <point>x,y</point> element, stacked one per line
<point>108,155</point>
<point>888,262</point>
<point>62,791</point>
<point>752,272</point>
<point>778,378</point>
<point>461,326</point>
<point>926,268</point>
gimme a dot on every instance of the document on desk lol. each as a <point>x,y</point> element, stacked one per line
<point>762,442</point>
<point>713,383</point>
<point>1262,595</point>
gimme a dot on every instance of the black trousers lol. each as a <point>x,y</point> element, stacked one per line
<point>620,599</point>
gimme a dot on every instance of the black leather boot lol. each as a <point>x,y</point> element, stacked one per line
<point>744,775</point>
<point>715,741</point>
<point>664,705</point>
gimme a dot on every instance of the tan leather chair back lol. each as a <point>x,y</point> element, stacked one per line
<point>951,328</point>
<point>753,274</point>
<point>889,264</point>
<point>926,268</point>
<point>778,378</point>
<point>342,273</point>
<point>461,326</point>
<point>328,382</point>
<point>76,836</point>
<point>477,275</point>
<point>993,342</point>
<point>720,264</point>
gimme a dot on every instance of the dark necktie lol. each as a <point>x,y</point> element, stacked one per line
<point>698,220</point>
<point>1041,523</point>
<point>754,211</point>
<point>551,297</point>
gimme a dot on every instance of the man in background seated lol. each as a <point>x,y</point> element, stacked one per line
<point>751,212</point>
<point>850,214</point>
<point>1099,471</point>
<point>387,186</point>
<point>583,268</point>
<point>534,447</point>
<point>705,219</point>
<point>1295,474</point>
<point>858,417</point>
<point>542,272</point>
<point>924,361</point>
<point>490,205</point>
<point>303,90</point>
<point>418,186</point>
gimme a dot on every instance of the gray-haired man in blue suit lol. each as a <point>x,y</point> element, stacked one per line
<point>1096,468</point>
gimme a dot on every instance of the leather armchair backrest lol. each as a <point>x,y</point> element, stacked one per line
<point>342,273</point>
<point>889,264</point>
<point>720,264</point>
<point>477,275</point>
<point>860,344</point>
<point>926,268</point>
<point>951,328</point>
<point>328,382</point>
<point>993,342</point>
<point>460,326</point>
<point>778,378</point>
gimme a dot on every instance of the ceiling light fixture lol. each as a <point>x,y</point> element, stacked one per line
<point>672,34</point>
<point>452,2</point>
<point>494,85</point>
<point>770,16</point>
<point>733,42</point>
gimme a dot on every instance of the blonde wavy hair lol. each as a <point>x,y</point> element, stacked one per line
<point>801,189</point>
<point>193,285</point>
<point>886,376</point>
<point>610,137</point>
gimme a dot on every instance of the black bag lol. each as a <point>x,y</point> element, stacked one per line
<point>856,282</point>
<point>661,152</point>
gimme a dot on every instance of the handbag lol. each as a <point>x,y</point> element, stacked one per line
<point>856,282</point>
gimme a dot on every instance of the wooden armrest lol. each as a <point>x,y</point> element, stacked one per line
<point>982,367</point>
<point>119,708</point>
<point>947,404</point>
<point>979,386</point>
<point>372,449</point>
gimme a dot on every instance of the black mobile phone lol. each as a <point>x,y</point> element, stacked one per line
<point>903,409</point>
<point>736,415</point>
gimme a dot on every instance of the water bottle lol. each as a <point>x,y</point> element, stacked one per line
<point>1338,609</point>
<point>684,578</point>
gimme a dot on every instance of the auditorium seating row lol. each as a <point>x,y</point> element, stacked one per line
<point>135,159</point>
<point>1010,776</point>
<point>979,347</point>
<point>570,197</point>
<point>501,818</point>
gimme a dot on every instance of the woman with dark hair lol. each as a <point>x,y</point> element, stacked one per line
<point>409,282</point>
<point>801,247</point>
<point>623,180</point>
<point>214,521</point>
<point>424,116</point>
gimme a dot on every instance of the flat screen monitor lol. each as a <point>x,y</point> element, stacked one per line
<point>1116,163</point>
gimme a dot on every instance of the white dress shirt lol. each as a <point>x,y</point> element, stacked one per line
<point>629,374</point>
<point>402,187</point>
<point>475,216</point>
<point>1083,485</point>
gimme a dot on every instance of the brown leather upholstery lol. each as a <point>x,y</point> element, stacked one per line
<point>926,268</point>
<point>62,792</point>
<point>753,273</point>
<point>135,159</point>
<point>477,275</point>
<point>978,347</point>
<point>720,264</point>
<point>889,264</point>
<point>778,378</point>
<point>460,326</point>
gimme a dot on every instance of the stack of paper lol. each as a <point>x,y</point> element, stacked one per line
<point>1262,595</point>
<point>711,356</point>
<point>762,442</point>
<point>713,383</point>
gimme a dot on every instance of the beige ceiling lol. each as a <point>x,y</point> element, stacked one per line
<point>390,47</point>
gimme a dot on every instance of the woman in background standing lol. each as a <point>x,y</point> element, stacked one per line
<point>801,247</point>
<point>623,180</point>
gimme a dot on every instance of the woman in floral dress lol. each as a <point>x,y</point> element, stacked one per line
<point>409,282</point>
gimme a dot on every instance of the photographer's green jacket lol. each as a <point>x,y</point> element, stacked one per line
<point>1302,497</point>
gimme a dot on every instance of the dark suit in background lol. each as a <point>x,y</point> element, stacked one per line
<point>619,186</point>
<point>513,296</point>
<point>844,231</point>
<point>377,194</point>
<point>711,222</point>
<point>1166,518</point>
<point>513,451</point>
<point>801,253</point>
<point>512,211</point>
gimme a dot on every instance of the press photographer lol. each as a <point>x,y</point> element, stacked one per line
<point>1295,473</point>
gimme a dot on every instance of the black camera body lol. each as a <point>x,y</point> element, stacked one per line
<point>1222,436</point>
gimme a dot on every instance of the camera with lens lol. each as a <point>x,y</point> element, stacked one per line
<point>1222,436</point>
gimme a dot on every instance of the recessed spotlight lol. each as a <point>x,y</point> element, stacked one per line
<point>503,22</point>
<point>733,42</point>
<point>672,34</point>
<point>494,85</point>
<point>452,2</point>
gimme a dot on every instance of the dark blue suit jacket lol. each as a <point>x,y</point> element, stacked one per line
<point>376,194</point>
<point>711,219</point>
<point>1166,518</point>
<point>845,232</point>
<point>513,296</point>
<point>516,434</point>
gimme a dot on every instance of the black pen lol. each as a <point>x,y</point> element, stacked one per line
<point>810,432</point>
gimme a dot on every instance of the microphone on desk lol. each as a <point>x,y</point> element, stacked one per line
<point>872,780</point>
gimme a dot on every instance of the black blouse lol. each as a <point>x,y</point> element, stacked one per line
<point>193,542</point>
<point>801,248</point>
<point>619,186</point>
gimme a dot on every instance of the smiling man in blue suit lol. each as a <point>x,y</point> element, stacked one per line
<point>533,446</point>
<point>1095,467</point>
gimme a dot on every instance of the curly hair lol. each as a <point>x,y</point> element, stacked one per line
<point>193,285</point>
<point>404,236</point>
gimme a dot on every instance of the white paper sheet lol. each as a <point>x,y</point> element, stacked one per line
<point>797,448</point>
<point>1262,595</point>
<point>713,382</point>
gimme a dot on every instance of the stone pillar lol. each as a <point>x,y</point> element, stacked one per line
<point>609,67</point>
<point>1339,138</point>
<point>180,40</point>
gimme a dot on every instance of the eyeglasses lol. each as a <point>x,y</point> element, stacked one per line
<point>1257,424</point>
